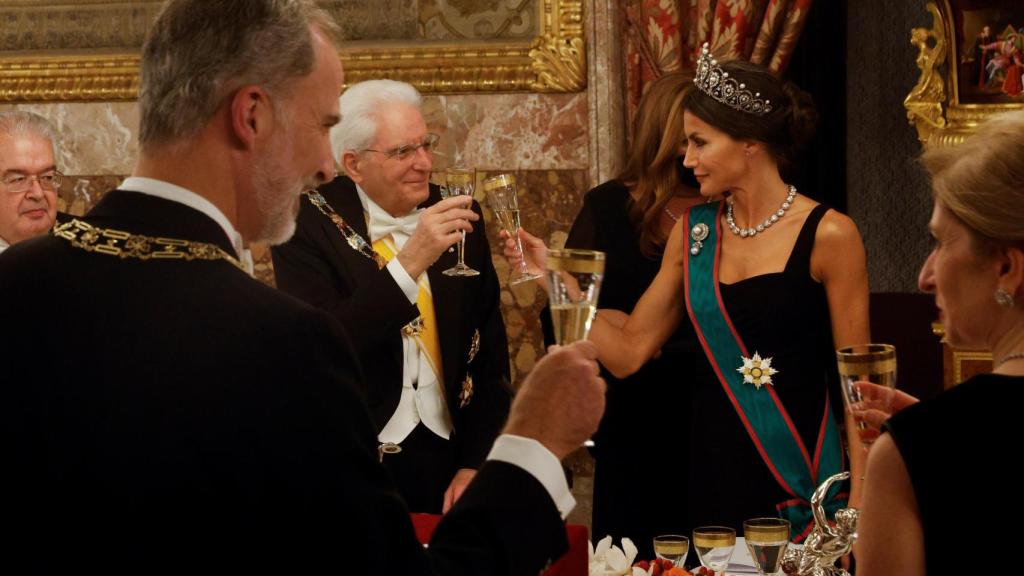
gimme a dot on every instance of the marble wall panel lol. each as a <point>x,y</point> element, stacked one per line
<point>511,131</point>
<point>96,138</point>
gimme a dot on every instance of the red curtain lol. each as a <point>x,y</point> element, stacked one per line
<point>665,35</point>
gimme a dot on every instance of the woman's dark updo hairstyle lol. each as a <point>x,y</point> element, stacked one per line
<point>786,129</point>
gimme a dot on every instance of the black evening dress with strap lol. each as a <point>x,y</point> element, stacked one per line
<point>784,316</point>
<point>958,449</point>
<point>641,445</point>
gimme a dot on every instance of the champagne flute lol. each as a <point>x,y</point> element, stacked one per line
<point>672,547</point>
<point>767,539</point>
<point>459,182</point>
<point>574,281</point>
<point>875,363</point>
<point>714,545</point>
<point>501,194</point>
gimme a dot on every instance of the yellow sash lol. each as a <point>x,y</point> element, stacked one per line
<point>427,339</point>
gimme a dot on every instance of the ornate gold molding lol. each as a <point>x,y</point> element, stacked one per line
<point>552,61</point>
<point>924,103</point>
<point>933,105</point>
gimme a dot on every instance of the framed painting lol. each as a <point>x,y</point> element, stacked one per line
<point>85,50</point>
<point>972,66</point>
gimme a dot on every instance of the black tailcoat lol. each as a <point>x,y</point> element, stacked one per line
<point>171,416</point>
<point>318,266</point>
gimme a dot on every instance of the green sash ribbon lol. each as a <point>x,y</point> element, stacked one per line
<point>760,409</point>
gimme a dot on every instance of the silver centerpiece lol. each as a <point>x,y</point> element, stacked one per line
<point>826,543</point>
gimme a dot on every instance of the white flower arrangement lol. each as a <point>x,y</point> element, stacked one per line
<point>608,559</point>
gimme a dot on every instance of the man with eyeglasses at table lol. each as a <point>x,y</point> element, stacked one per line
<point>433,347</point>
<point>28,176</point>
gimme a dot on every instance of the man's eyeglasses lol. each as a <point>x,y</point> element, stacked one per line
<point>428,144</point>
<point>20,183</point>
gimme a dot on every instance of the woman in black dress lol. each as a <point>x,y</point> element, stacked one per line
<point>940,479</point>
<point>772,283</point>
<point>643,434</point>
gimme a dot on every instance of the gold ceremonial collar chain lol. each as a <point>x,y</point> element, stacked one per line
<point>137,246</point>
<point>357,242</point>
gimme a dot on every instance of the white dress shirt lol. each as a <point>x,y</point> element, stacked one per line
<point>526,453</point>
<point>168,191</point>
<point>422,398</point>
<point>3,245</point>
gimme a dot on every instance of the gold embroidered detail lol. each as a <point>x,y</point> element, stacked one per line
<point>474,346</point>
<point>352,238</point>
<point>467,391</point>
<point>414,328</point>
<point>467,383</point>
<point>137,246</point>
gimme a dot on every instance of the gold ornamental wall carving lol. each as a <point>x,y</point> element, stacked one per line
<point>946,105</point>
<point>554,60</point>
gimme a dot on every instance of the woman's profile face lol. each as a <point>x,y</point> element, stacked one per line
<point>717,160</point>
<point>963,281</point>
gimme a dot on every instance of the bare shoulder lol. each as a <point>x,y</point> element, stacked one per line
<point>837,235</point>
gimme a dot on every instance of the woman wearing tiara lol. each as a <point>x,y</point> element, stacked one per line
<point>772,282</point>
<point>630,218</point>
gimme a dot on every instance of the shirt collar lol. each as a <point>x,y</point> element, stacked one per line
<point>3,245</point>
<point>173,193</point>
<point>380,223</point>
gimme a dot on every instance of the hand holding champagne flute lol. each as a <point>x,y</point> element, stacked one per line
<point>574,282</point>
<point>875,363</point>
<point>459,182</point>
<point>501,195</point>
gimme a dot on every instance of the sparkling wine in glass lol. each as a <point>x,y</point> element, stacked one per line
<point>672,547</point>
<point>501,194</point>
<point>767,539</point>
<point>875,363</point>
<point>459,182</point>
<point>714,545</point>
<point>574,282</point>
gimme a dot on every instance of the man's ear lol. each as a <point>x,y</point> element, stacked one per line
<point>351,164</point>
<point>252,114</point>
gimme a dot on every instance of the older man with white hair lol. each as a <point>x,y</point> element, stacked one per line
<point>370,248</point>
<point>28,176</point>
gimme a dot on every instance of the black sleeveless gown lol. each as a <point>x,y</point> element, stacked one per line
<point>784,316</point>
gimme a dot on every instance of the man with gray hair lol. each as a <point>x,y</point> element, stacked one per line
<point>164,412</point>
<point>433,346</point>
<point>28,176</point>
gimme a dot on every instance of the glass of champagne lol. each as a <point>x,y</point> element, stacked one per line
<point>767,539</point>
<point>875,363</point>
<point>672,547</point>
<point>501,194</point>
<point>574,281</point>
<point>459,182</point>
<point>714,545</point>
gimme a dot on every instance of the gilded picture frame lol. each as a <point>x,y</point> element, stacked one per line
<point>958,87</point>
<point>553,60</point>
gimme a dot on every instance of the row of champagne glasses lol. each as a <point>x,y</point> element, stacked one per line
<point>766,539</point>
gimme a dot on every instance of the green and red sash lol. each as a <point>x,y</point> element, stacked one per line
<point>760,409</point>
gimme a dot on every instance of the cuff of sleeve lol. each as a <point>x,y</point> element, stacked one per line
<point>404,281</point>
<point>532,456</point>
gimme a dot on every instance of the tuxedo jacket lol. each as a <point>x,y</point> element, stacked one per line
<point>176,416</point>
<point>320,267</point>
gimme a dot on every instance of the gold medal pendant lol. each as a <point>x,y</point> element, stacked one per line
<point>757,371</point>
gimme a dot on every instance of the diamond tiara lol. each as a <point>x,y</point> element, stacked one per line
<point>715,82</point>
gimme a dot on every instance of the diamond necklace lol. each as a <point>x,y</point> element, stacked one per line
<point>751,232</point>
